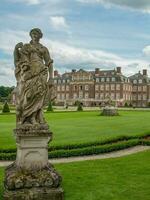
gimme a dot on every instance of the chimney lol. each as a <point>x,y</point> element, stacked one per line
<point>119,70</point>
<point>96,70</point>
<point>56,73</point>
<point>145,72</point>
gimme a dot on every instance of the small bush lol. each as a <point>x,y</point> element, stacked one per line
<point>50,107</point>
<point>6,108</point>
<point>79,107</point>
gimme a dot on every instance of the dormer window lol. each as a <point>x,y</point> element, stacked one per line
<point>140,80</point>
<point>135,81</point>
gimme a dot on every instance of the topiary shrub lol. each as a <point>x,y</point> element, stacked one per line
<point>6,108</point>
<point>79,107</point>
<point>50,107</point>
<point>126,104</point>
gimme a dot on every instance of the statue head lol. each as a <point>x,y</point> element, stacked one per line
<point>36,32</point>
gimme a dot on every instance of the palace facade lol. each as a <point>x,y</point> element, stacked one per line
<point>92,88</point>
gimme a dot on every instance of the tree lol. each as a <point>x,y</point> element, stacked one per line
<point>50,107</point>
<point>6,108</point>
<point>5,92</point>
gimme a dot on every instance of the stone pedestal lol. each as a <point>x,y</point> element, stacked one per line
<point>110,111</point>
<point>31,176</point>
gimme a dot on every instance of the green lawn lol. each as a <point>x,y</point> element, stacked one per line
<point>81,127</point>
<point>126,178</point>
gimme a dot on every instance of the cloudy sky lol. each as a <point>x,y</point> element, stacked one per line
<point>78,33</point>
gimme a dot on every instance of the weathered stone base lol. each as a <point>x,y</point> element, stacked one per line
<point>110,111</point>
<point>35,194</point>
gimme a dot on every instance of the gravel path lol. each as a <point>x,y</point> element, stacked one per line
<point>114,154</point>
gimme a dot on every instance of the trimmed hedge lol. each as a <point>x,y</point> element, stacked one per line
<point>94,150</point>
<point>90,144</point>
<point>82,151</point>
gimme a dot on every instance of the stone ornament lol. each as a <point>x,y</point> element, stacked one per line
<point>31,176</point>
<point>32,63</point>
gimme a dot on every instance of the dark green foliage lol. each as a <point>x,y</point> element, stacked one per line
<point>130,105</point>
<point>6,108</point>
<point>79,106</point>
<point>85,149</point>
<point>50,107</point>
<point>126,104</point>
<point>94,149</point>
<point>5,91</point>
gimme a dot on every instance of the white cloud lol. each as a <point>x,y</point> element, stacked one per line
<point>146,50</point>
<point>141,5</point>
<point>7,72</point>
<point>29,2</point>
<point>9,38</point>
<point>58,22</point>
<point>66,56</point>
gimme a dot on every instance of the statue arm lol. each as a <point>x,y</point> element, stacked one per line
<point>48,62</point>
<point>17,53</point>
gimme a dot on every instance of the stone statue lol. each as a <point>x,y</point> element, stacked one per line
<point>32,64</point>
<point>31,176</point>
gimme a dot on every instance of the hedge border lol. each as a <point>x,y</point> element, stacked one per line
<point>92,150</point>
<point>89,144</point>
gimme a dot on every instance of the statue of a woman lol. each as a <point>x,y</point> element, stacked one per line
<point>32,62</point>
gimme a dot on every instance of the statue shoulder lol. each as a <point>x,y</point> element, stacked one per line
<point>27,46</point>
<point>45,49</point>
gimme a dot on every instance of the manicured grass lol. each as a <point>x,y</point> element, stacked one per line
<point>82,127</point>
<point>125,178</point>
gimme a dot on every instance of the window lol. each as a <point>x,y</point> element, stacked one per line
<point>144,88</point>
<point>134,88</point>
<point>101,96</point>
<point>118,96</point>
<point>144,97</point>
<point>112,87</point>
<point>67,96</point>
<point>113,95</point>
<point>86,95</point>
<point>63,88</point>
<point>58,88</point>
<point>58,96</point>
<point>107,87</point>
<point>81,87</point>
<point>101,87</point>
<point>139,97</point>
<point>59,81</point>
<point>113,79</point>
<point>135,81</point>
<point>107,80</point>
<point>96,95</point>
<point>96,87</point>
<point>97,80</point>
<point>67,88</point>
<point>64,81</point>
<point>63,96</point>
<point>102,79</point>
<point>75,87</point>
<point>118,86</point>
<point>80,95</point>
<point>55,81</point>
<point>140,80</point>
<point>139,88</point>
<point>75,96</point>
<point>86,87</point>
<point>134,97</point>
